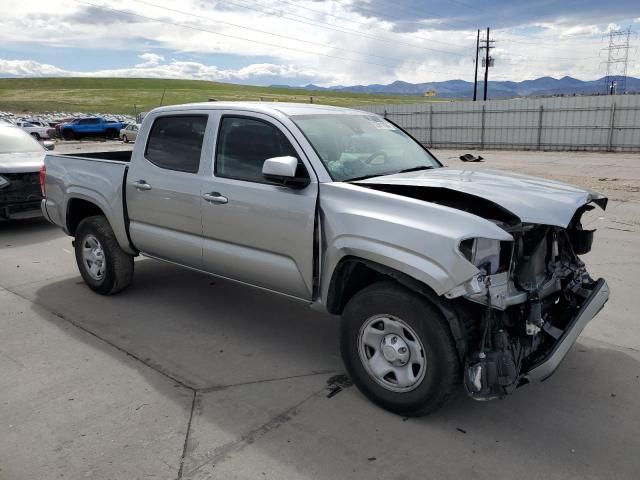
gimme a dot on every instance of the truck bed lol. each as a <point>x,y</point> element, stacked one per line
<point>96,177</point>
<point>113,155</point>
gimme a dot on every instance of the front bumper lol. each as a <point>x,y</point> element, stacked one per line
<point>590,308</point>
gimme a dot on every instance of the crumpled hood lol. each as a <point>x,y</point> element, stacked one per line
<point>532,199</point>
<point>21,162</point>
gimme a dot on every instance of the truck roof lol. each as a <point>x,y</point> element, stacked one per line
<point>288,109</point>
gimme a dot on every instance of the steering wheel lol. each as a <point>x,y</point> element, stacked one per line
<point>375,155</point>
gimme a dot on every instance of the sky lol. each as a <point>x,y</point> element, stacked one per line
<point>297,42</point>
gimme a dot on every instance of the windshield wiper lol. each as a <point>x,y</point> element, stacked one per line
<point>412,169</point>
<point>364,177</point>
<point>415,169</point>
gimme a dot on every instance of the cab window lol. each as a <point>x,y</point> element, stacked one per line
<point>243,146</point>
<point>175,142</point>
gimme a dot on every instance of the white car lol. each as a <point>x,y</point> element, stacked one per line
<point>129,133</point>
<point>36,129</point>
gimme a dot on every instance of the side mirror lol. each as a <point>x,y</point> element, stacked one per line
<point>48,145</point>
<point>283,170</point>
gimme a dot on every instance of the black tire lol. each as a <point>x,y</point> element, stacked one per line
<point>125,139</point>
<point>36,135</point>
<point>442,375</point>
<point>118,271</point>
<point>111,133</point>
<point>68,135</point>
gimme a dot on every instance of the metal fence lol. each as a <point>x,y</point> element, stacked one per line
<point>597,123</point>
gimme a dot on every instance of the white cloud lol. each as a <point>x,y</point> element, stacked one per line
<point>150,60</point>
<point>28,68</point>
<point>259,73</point>
<point>352,47</point>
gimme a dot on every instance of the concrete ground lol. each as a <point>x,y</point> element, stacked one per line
<point>186,376</point>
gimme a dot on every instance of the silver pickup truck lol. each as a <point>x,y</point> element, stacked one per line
<point>444,278</point>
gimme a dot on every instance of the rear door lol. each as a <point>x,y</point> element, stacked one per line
<point>255,231</point>
<point>163,188</point>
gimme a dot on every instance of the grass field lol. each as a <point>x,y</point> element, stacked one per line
<point>126,95</point>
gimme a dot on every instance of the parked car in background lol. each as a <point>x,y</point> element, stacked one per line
<point>21,157</point>
<point>90,127</point>
<point>443,277</point>
<point>129,133</point>
<point>36,129</point>
<point>59,124</point>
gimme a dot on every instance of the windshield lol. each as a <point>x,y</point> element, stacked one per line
<point>361,146</point>
<point>14,140</point>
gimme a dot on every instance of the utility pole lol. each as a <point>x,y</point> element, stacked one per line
<point>487,60</point>
<point>617,61</point>
<point>475,77</point>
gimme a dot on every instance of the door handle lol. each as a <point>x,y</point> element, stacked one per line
<point>141,185</point>
<point>215,197</point>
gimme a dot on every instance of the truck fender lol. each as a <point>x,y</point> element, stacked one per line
<point>446,307</point>
<point>117,224</point>
<point>424,270</point>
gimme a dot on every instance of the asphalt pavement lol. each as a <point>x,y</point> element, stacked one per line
<point>187,376</point>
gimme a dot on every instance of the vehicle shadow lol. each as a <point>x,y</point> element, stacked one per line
<point>211,334</point>
<point>188,323</point>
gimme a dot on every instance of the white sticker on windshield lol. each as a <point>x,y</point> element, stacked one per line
<point>380,123</point>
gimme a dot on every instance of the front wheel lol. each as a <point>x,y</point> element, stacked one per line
<point>36,135</point>
<point>125,139</point>
<point>104,266</point>
<point>398,349</point>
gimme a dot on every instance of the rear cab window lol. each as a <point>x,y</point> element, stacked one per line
<point>175,142</point>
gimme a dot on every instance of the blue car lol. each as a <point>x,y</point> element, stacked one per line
<point>90,127</point>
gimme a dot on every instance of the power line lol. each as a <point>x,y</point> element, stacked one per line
<point>351,31</point>
<point>162,7</point>
<point>191,27</point>
<point>366,24</point>
<point>413,11</point>
<point>466,5</point>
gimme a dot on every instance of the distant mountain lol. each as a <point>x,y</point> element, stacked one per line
<point>542,86</point>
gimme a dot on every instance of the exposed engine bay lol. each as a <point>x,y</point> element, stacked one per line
<point>526,299</point>
<point>528,306</point>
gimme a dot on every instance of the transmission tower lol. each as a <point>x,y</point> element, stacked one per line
<point>617,61</point>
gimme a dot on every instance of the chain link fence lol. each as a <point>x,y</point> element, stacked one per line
<point>588,123</point>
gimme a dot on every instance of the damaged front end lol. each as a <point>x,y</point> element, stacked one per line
<point>533,296</point>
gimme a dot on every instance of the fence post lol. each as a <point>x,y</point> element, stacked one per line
<point>540,127</point>
<point>385,113</point>
<point>612,122</point>
<point>482,128</point>
<point>430,126</point>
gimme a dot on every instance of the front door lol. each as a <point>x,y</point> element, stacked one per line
<point>255,231</point>
<point>163,190</point>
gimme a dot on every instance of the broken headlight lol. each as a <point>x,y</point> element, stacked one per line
<point>491,256</point>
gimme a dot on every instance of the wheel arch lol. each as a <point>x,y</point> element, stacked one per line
<point>80,206</point>
<point>352,274</point>
<point>78,209</point>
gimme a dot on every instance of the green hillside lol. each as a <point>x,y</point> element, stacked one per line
<point>126,95</point>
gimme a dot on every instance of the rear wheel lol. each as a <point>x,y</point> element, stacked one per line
<point>111,133</point>
<point>68,135</point>
<point>398,349</point>
<point>104,266</point>
<point>125,139</point>
<point>36,135</point>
